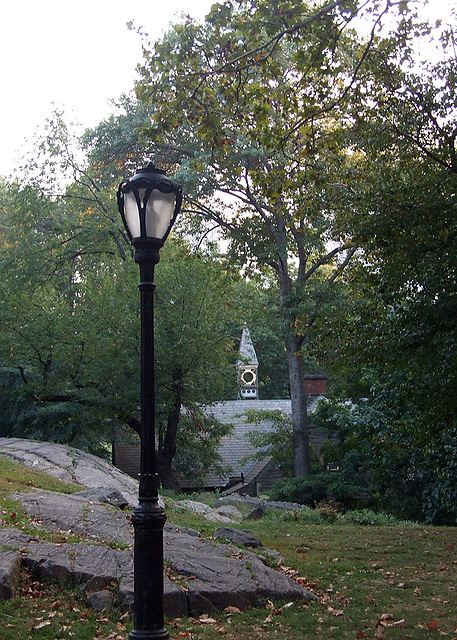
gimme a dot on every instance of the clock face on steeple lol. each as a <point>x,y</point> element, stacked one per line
<point>248,376</point>
<point>248,382</point>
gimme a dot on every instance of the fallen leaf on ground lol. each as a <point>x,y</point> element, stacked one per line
<point>383,619</point>
<point>41,625</point>
<point>361,634</point>
<point>231,609</point>
<point>205,619</point>
<point>399,623</point>
<point>433,625</point>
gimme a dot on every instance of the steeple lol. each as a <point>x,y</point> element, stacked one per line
<point>247,367</point>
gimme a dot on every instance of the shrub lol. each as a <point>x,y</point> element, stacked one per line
<point>325,486</point>
<point>328,511</point>
<point>369,518</point>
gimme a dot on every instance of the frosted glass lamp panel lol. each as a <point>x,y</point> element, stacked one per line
<point>159,212</point>
<point>132,214</point>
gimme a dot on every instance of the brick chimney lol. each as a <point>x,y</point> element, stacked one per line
<point>316,384</point>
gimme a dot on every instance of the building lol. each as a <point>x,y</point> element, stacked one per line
<point>246,475</point>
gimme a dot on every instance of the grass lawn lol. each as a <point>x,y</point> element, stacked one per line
<point>394,581</point>
<point>372,582</point>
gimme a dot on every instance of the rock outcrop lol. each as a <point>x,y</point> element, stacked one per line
<point>201,575</point>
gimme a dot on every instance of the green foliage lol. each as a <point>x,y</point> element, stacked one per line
<point>60,349</point>
<point>251,105</point>
<point>369,518</point>
<point>197,445</point>
<point>322,487</point>
<point>328,511</point>
<point>394,341</point>
<point>195,323</point>
<point>403,469</point>
<point>276,442</point>
<point>69,353</point>
<point>334,160</point>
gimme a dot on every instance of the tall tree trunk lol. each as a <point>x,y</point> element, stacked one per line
<point>293,342</point>
<point>168,450</point>
<point>301,448</point>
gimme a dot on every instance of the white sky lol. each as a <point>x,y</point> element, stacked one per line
<point>78,56</point>
<point>75,55</point>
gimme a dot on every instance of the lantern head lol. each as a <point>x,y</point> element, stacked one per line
<point>149,203</point>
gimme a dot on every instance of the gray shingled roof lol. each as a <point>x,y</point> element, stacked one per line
<point>236,446</point>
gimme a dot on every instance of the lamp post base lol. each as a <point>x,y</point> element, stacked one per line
<point>158,634</point>
<point>148,520</point>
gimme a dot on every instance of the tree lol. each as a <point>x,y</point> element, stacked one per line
<point>50,325</point>
<point>275,443</point>
<point>403,334</point>
<point>410,235</point>
<point>70,331</point>
<point>196,356</point>
<point>252,106</point>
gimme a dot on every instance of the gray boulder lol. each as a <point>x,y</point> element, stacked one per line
<point>75,514</point>
<point>255,514</point>
<point>100,600</point>
<point>71,465</point>
<point>108,495</point>
<point>239,537</point>
<point>209,575</point>
<point>79,563</point>
<point>215,575</point>
<point>229,511</point>
<point>243,502</point>
<point>221,576</point>
<point>175,603</point>
<point>10,567</point>
<point>204,510</point>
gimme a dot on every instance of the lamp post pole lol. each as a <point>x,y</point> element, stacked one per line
<point>148,203</point>
<point>148,517</point>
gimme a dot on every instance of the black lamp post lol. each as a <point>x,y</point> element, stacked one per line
<point>149,203</point>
